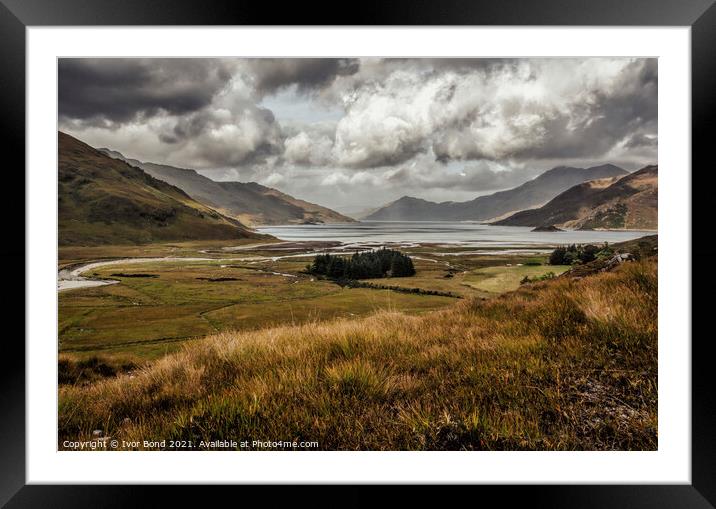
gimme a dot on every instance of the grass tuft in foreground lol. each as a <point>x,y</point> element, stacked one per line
<point>83,371</point>
<point>558,365</point>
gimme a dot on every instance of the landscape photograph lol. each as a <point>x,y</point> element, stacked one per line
<point>357,254</point>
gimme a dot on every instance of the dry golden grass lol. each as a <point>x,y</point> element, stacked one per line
<point>564,364</point>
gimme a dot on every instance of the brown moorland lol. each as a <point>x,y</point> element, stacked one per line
<point>565,364</point>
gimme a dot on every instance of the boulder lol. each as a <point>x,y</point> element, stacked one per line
<point>618,259</point>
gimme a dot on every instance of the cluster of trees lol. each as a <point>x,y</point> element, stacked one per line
<point>366,265</point>
<point>577,253</point>
<point>352,283</point>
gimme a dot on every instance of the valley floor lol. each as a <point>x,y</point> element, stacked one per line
<point>561,364</point>
<point>162,302</point>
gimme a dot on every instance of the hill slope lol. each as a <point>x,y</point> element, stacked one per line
<point>543,368</point>
<point>102,200</point>
<point>626,203</point>
<point>532,193</point>
<point>249,202</point>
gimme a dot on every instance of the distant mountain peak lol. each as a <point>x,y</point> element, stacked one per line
<point>530,194</point>
<point>557,170</point>
<point>605,165</point>
<point>410,198</point>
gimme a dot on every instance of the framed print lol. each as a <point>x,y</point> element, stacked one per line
<point>428,247</point>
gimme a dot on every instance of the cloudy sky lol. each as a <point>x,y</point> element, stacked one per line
<point>353,134</point>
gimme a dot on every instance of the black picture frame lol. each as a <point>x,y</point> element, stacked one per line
<point>17,15</point>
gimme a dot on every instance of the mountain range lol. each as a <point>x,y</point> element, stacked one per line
<point>629,202</point>
<point>531,194</point>
<point>107,198</point>
<point>249,202</point>
<point>102,200</point>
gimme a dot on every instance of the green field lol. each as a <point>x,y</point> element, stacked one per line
<point>150,316</point>
<point>504,279</point>
<point>143,318</point>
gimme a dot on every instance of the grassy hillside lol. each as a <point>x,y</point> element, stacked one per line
<point>629,202</point>
<point>261,205</point>
<point>248,202</point>
<point>560,365</point>
<point>106,201</point>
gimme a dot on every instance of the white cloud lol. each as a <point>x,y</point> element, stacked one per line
<point>304,149</point>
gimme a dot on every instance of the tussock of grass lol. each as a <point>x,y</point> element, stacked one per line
<point>562,364</point>
<point>84,371</point>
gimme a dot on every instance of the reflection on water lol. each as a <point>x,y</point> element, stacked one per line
<point>468,234</point>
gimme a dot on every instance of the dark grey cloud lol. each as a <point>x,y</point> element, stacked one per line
<point>272,74</point>
<point>120,90</point>
<point>221,138</point>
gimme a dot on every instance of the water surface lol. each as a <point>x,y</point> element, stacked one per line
<point>443,232</point>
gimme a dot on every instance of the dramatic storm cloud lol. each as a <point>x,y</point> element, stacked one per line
<point>119,90</point>
<point>355,133</point>
<point>271,74</point>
